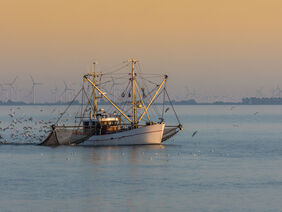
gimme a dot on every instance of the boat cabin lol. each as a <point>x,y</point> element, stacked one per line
<point>103,124</point>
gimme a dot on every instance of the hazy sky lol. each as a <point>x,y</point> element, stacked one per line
<point>217,47</point>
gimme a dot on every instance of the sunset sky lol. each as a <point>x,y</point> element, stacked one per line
<point>217,47</point>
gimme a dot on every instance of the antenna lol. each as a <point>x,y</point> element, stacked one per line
<point>34,84</point>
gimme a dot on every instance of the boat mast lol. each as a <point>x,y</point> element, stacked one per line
<point>94,91</point>
<point>134,109</point>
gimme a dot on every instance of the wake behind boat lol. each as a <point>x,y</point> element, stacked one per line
<point>128,120</point>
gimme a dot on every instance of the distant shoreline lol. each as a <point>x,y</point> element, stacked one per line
<point>245,101</point>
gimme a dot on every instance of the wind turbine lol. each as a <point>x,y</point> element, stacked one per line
<point>193,94</point>
<point>114,90</point>
<point>54,93</point>
<point>66,91</point>
<point>2,92</point>
<point>273,90</point>
<point>190,93</point>
<point>187,93</point>
<point>276,92</point>
<point>279,91</point>
<point>11,87</point>
<point>34,84</point>
<point>259,92</point>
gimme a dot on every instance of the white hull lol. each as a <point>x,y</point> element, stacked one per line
<point>151,134</point>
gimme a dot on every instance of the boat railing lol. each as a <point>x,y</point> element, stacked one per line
<point>69,127</point>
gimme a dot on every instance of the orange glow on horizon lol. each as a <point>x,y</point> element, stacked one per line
<point>193,41</point>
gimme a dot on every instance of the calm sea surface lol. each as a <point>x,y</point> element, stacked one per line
<point>233,163</point>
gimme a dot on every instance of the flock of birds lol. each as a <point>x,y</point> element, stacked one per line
<point>21,128</point>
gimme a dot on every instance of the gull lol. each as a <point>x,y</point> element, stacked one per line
<point>194,133</point>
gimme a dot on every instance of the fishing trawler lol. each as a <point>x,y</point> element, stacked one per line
<point>128,121</point>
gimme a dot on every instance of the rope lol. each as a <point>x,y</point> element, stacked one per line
<point>62,114</point>
<point>89,100</point>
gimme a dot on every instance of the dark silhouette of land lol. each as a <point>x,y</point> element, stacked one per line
<point>244,101</point>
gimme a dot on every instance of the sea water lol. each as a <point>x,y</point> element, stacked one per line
<point>232,163</point>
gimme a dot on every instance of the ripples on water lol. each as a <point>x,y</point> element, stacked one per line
<point>233,163</point>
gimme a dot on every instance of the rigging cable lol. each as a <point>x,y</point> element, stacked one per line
<point>173,108</point>
<point>117,70</point>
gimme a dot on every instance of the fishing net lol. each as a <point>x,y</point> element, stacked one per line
<point>64,136</point>
<point>169,132</point>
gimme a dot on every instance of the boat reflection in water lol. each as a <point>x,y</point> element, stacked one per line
<point>130,154</point>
